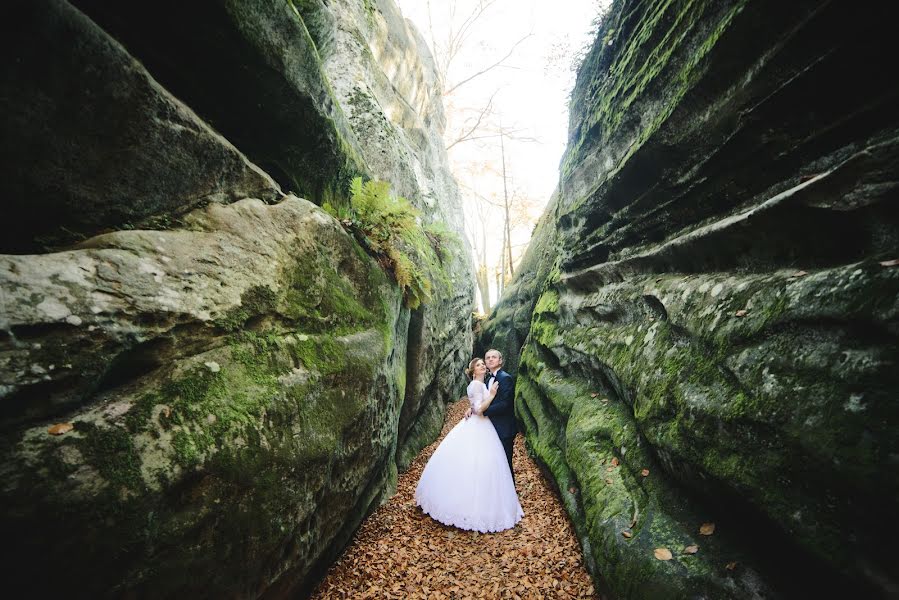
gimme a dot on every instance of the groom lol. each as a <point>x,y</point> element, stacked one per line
<point>502,410</point>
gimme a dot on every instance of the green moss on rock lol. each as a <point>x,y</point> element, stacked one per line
<point>110,449</point>
<point>255,301</point>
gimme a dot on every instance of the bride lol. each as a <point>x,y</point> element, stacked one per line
<point>467,482</point>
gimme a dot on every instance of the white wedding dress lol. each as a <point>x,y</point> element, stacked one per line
<point>467,482</point>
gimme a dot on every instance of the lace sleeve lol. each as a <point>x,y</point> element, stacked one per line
<point>475,394</point>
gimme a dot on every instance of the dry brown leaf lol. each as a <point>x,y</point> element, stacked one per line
<point>60,428</point>
<point>380,555</point>
<point>663,554</point>
<point>741,313</point>
<point>707,529</point>
<point>645,472</point>
<point>609,481</point>
<point>731,565</point>
<point>615,461</point>
<point>691,549</point>
<point>627,534</point>
<point>889,263</point>
<point>799,274</point>
<point>594,395</point>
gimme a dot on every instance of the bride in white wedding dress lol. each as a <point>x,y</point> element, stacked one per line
<point>467,482</point>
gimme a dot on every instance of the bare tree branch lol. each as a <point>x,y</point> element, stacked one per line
<point>480,197</point>
<point>456,39</point>
<point>436,49</point>
<point>487,69</point>
<point>466,28</point>
<point>493,135</point>
<point>485,111</point>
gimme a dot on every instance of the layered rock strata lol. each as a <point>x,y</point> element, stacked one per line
<point>235,381</point>
<point>715,335</point>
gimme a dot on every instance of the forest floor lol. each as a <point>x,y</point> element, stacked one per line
<point>400,552</point>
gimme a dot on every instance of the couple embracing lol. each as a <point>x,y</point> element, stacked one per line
<point>468,481</point>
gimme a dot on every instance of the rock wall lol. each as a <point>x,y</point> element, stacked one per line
<point>382,71</point>
<point>237,381</point>
<point>88,132</point>
<point>712,299</point>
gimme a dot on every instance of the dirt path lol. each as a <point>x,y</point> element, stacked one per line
<point>399,552</point>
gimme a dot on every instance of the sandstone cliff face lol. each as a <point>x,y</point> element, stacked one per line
<point>242,379</point>
<point>718,306</point>
<point>382,72</point>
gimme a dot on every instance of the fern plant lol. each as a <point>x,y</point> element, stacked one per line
<point>388,227</point>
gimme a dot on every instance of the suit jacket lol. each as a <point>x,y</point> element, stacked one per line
<point>502,410</point>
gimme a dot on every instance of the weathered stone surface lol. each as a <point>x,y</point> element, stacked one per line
<point>716,310</point>
<point>251,70</point>
<point>243,379</point>
<point>335,89</point>
<point>235,391</point>
<point>91,142</point>
<point>382,73</point>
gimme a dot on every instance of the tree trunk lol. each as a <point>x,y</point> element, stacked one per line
<point>506,241</point>
<point>483,288</point>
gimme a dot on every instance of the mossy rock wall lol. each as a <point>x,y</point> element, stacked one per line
<point>243,381</point>
<point>316,93</point>
<point>721,307</point>
<point>251,70</point>
<point>92,143</point>
<point>239,411</point>
<point>383,74</point>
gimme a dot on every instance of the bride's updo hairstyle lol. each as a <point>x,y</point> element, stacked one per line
<point>470,370</point>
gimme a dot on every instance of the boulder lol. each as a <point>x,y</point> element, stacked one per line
<point>234,392</point>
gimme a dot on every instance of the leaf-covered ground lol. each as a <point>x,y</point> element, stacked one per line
<point>399,552</point>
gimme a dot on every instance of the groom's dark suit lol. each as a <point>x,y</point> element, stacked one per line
<point>502,412</point>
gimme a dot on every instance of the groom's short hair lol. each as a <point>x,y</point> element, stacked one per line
<point>497,351</point>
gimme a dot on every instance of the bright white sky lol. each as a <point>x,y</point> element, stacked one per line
<point>531,88</point>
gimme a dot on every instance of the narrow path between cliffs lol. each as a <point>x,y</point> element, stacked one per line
<point>399,552</point>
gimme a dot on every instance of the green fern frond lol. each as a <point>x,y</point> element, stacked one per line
<point>388,226</point>
<point>356,188</point>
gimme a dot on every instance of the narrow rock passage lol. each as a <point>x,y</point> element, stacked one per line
<point>399,552</point>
